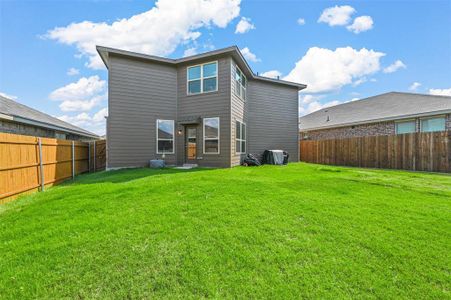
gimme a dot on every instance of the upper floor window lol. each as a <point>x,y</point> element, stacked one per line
<point>202,78</point>
<point>165,136</point>
<point>432,124</point>
<point>240,133</point>
<point>240,83</point>
<point>405,127</point>
<point>211,135</point>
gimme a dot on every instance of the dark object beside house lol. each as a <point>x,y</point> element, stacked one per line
<point>275,157</point>
<point>251,160</point>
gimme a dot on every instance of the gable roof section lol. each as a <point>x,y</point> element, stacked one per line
<point>233,50</point>
<point>379,108</point>
<point>14,111</point>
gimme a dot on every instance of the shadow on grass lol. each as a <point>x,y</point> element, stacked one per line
<point>126,175</point>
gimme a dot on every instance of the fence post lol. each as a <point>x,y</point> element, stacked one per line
<point>95,154</point>
<point>73,159</point>
<point>41,166</point>
<point>89,157</point>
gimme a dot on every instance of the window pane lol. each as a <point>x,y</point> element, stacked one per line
<point>436,124</point>
<point>237,146</point>
<point>243,92</point>
<point>210,70</point>
<point>243,80</point>
<point>210,84</point>
<point>243,146</point>
<point>165,146</point>
<point>211,146</point>
<point>405,127</point>
<point>237,74</point>
<point>237,88</point>
<point>238,130</point>
<point>211,128</point>
<point>194,87</point>
<point>165,129</point>
<point>243,131</point>
<point>194,73</point>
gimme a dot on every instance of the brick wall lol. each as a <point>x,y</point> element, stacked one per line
<point>24,129</point>
<point>373,129</point>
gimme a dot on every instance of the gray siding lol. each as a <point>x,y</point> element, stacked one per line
<point>213,104</point>
<point>272,118</point>
<point>140,92</point>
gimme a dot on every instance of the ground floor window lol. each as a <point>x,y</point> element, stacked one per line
<point>211,135</point>
<point>405,127</point>
<point>165,136</point>
<point>432,124</point>
<point>240,137</point>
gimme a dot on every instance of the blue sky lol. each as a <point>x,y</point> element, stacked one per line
<point>342,50</point>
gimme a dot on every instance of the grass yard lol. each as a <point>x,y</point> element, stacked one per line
<point>302,230</point>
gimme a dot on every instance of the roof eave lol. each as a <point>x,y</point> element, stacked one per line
<point>46,125</point>
<point>104,54</point>
<point>402,117</point>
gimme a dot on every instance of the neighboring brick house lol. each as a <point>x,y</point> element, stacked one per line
<point>385,114</point>
<point>20,119</point>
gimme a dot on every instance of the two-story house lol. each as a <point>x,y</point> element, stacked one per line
<point>208,109</point>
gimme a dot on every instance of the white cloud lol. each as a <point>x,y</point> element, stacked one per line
<point>271,74</point>
<point>249,55</point>
<point>359,81</point>
<point>395,67</point>
<point>360,24</point>
<point>326,70</point>
<point>414,86</point>
<point>157,31</point>
<point>190,52</point>
<point>8,96</point>
<point>73,72</point>
<point>82,95</point>
<point>337,15</point>
<point>95,123</point>
<point>301,21</point>
<point>440,92</point>
<point>244,25</point>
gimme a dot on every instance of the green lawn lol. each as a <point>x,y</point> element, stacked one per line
<point>302,230</point>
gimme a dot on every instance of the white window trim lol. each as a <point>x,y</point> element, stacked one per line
<point>405,121</point>
<point>241,96</point>
<point>240,140</point>
<point>431,117</point>
<point>204,139</point>
<point>173,137</point>
<point>201,78</point>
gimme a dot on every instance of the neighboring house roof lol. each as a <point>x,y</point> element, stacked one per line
<point>233,50</point>
<point>14,111</point>
<point>384,107</point>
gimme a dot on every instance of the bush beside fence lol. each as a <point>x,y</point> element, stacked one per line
<point>421,151</point>
<point>30,163</point>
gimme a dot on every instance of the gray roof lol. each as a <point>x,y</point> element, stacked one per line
<point>379,108</point>
<point>233,50</point>
<point>14,111</point>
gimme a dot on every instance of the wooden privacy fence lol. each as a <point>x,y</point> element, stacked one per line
<point>421,151</point>
<point>30,163</point>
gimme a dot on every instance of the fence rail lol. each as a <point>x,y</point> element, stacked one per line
<point>421,151</point>
<point>30,163</point>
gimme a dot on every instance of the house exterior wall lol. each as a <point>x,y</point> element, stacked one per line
<point>142,91</point>
<point>272,118</point>
<point>370,129</point>
<point>206,105</point>
<point>136,89</point>
<point>25,129</point>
